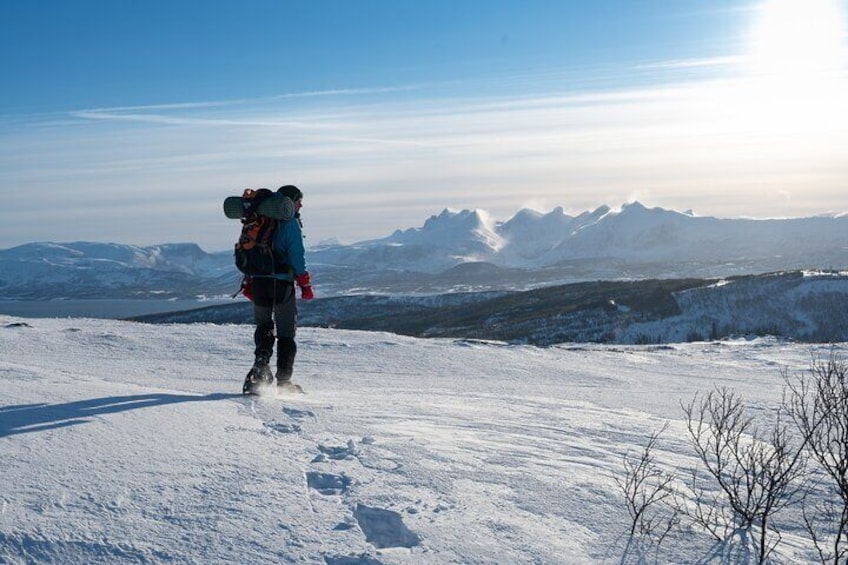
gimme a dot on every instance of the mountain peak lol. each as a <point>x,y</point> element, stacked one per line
<point>636,209</point>
<point>462,217</point>
<point>449,237</point>
<point>455,222</point>
<point>634,206</point>
<point>526,214</point>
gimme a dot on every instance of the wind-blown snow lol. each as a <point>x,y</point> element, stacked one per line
<point>128,443</point>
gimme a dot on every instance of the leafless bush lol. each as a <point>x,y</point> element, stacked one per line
<point>747,473</point>
<point>817,401</point>
<point>751,475</point>
<point>646,489</point>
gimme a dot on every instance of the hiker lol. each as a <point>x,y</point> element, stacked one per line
<point>274,301</point>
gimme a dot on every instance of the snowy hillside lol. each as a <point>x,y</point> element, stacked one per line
<point>808,306</point>
<point>127,443</point>
<point>804,306</point>
<point>466,250</point>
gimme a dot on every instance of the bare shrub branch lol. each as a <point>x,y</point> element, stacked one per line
<point>754,475</point>
<point>817,401</point>
<point>646,489</point>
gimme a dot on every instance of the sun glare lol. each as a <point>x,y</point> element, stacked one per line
<point>798,76</point>
<point>798,38</point>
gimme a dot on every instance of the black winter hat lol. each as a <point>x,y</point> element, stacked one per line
<point>291,191</point>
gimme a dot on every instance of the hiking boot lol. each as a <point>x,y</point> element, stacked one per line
<point>259,375</point>
<point>285,384</point>
<point>283,378</point>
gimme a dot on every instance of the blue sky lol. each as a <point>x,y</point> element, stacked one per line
<point>130,121</point>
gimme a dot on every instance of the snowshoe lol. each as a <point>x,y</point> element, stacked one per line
<point>258,376</point>
<point>288,387</point>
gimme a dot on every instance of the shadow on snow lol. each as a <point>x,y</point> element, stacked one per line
<point>26,418</point>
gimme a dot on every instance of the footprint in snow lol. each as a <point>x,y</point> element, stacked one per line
<point>283,428</point>
<point>351,560</point>
<point>298,414</point>
<point>328,484</point>
<point>384,528</point>
<point>336,453</point>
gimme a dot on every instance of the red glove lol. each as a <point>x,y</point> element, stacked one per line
<point>247,288</point>
<point>305,286</point>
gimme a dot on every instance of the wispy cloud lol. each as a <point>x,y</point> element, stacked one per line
<point>726,61</point>
<point>342,92</point>
<point>373,160</point>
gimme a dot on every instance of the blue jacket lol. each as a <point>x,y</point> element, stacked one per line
<point>289,247</point>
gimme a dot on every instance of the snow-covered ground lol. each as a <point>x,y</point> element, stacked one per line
<point>129,443</point>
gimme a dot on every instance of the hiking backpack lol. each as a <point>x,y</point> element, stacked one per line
<point>254,250</point>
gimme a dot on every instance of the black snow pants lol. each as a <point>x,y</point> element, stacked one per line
<point>275,308</point>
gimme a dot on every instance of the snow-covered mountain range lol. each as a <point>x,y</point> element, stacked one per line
<point>465,250</point>
<point>633,235</point>
<point>110,270</point>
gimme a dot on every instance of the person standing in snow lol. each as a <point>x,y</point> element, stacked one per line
<point>275,304</point>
